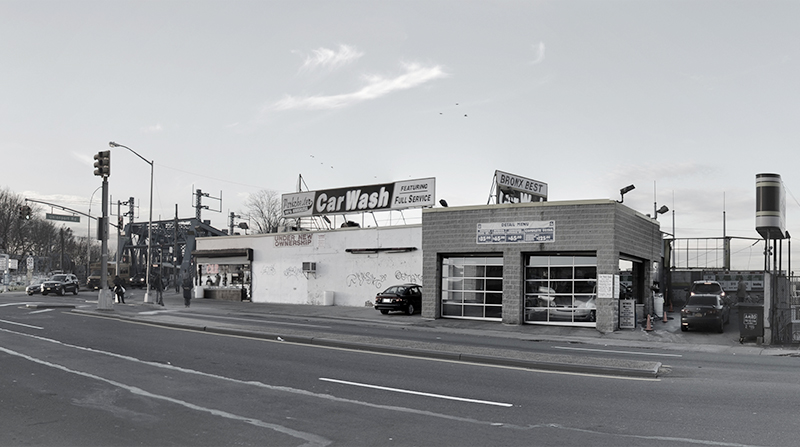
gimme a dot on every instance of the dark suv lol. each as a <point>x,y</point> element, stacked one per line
<point>60,284</point>
<point>405,297</point>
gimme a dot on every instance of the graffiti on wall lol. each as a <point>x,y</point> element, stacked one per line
<point>415,278</point>
<point>293,271</point>
<point>365,278</point>
<point>268,270</point>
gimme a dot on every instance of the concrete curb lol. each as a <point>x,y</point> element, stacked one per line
<point>647,370</point>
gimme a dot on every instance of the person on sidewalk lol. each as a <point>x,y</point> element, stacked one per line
<point>187,289</point>
<point>119,290</point>
<point>159,286</point>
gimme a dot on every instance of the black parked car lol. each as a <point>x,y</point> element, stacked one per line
<point>405,297</point>
<point>61,284</point>
<point>705,311</point>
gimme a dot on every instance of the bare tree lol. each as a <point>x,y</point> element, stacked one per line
<point>264,211</point>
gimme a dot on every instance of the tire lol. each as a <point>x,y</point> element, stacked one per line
<point>684,328</point>
<point>592,316</point>
<point>75,291</point>
<point>60,292</point>
<point>384,311</point>
<point>410,309</point>
<point>44,293</point>
<point>721,327</point>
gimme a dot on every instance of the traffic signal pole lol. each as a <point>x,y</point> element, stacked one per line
<point>105,296</point>
<point>102,165</point>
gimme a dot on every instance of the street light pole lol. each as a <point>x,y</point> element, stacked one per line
<point>89,237</point>
<point>150,224</point>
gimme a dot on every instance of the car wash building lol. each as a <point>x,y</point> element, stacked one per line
<point>521,260</point>
<point>539,262</point>
<point>344,266</point>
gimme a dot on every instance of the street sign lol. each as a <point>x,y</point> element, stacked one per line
<point>62,217</point>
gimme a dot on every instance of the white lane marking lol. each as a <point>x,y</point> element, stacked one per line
<point>279,388</point>
<point>311,439</point>
<point>14,304</point>
<point>40,311</point>
<point>418,393</point>
<point>21,324</point>
<point>617,352</point>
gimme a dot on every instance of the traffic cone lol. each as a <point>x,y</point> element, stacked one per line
<point>649,324</point>
<point>665,315</point>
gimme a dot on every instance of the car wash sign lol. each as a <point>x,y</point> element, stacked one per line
<point>516,232</point>
<point>512,188</point>
<point>418,193</point>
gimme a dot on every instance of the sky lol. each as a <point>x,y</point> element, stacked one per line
<point>686,100</point>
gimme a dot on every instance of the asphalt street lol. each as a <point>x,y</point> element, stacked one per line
<point>461,340</point>
<point>223,373</point>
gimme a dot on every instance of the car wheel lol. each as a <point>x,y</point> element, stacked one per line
<point>384,311</point>
<point>592,316</point>
<point>684,328</point>
<point>721,327</point>
<point>75,291</point>
<point>30,293</point>
<point>410,309</point>
<point>44,293</point>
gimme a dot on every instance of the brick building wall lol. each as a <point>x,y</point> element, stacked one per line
<point>604,227</point>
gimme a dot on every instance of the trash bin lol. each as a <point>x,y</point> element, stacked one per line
<point>751,320</point>
<point>658,304</point>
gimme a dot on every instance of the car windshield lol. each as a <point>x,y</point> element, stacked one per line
<point>706,288</point>
<point>702,300</point>
<point>58,278</point>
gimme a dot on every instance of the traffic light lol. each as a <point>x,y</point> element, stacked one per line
<point>102,164</point>
<point>25,212</point>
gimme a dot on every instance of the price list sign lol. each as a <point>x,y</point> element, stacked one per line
<point>516,232</point>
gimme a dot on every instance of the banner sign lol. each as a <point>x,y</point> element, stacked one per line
<point>418,193</point>
<point>515,232</point>
<point>62,217</point>
<point>515,189</point>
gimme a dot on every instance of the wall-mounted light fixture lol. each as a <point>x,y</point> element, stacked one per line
<point>443,202</point>
<point>624,191</point>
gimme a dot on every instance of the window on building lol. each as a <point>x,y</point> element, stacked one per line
<point>472,288</point>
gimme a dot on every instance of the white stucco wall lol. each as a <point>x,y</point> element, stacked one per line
<point>354,278</point>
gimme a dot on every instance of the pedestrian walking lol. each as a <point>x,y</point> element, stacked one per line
<point>187,289</point>
<point>159,285</point>
<point>119,290</point>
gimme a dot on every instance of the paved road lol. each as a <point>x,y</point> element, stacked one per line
<point>82,377</point>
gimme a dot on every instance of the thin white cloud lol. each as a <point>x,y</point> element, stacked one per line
<point>377,86</point>
<point>325,58</point>
<point>538,53</point>
<point>152,129</point>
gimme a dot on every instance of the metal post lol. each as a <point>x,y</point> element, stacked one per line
<point>147,298</point>
<point>104,300</point>
<point>119,244</point>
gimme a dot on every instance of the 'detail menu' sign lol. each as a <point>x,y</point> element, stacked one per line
<point>515,189</point>
<point>516,232</point>
<point>417,193</point>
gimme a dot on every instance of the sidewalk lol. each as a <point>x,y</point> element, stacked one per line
<point>242,318</point>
